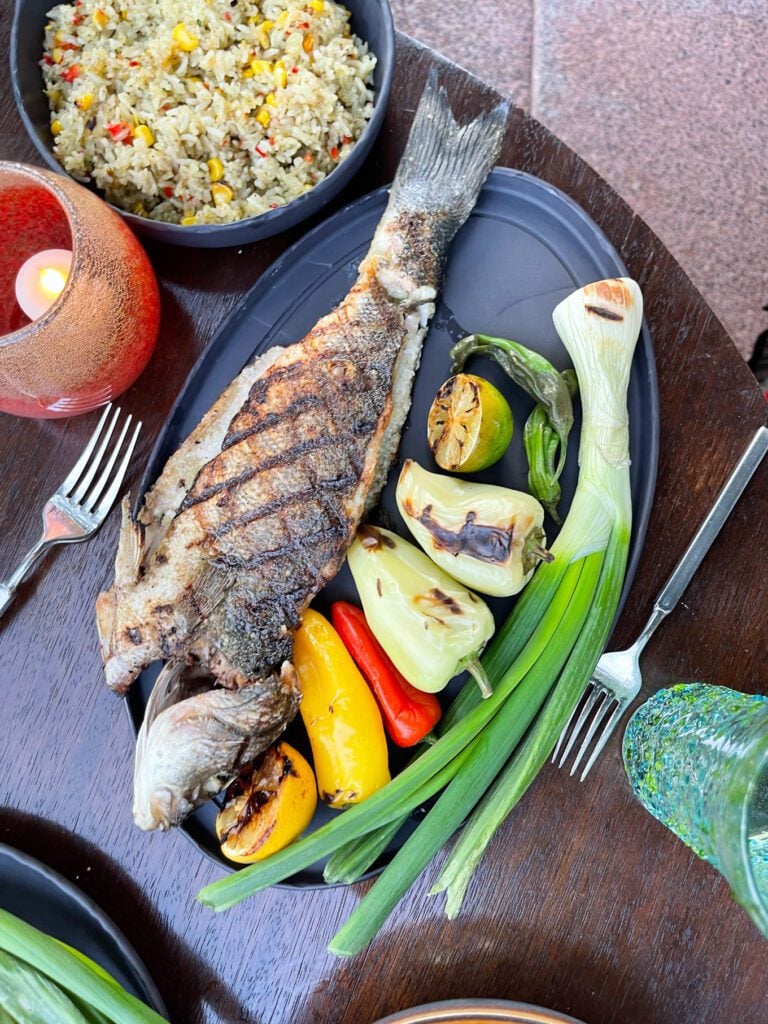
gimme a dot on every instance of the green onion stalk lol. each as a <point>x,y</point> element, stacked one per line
<point>61,977</point>
<point>538,664</point>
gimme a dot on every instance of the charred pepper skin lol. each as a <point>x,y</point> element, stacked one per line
<point>489,538</point>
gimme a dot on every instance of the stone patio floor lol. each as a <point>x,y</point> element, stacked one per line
<point>666,99</point>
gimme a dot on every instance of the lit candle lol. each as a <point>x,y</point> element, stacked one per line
<point>41,280</point>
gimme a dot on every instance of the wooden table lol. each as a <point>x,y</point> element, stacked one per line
<point>584,903</point>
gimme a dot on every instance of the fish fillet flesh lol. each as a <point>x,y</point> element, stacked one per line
<point>255,512</point>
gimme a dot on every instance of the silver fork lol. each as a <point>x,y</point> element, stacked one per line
<point>82,503</point>
<point>616,680</point>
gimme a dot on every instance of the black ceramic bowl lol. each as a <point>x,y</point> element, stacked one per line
<point>371,21</point>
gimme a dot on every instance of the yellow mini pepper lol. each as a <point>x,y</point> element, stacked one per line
<point>340,714</point>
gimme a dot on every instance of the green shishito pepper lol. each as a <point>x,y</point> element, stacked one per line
<point>541,443</point>
<point>547,430</point>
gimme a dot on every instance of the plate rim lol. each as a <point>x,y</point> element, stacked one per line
<point>457,1010</point>
<point>94,911</point>
<point>640,517</point>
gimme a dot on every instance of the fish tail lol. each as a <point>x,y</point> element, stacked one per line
<point>445,164</point>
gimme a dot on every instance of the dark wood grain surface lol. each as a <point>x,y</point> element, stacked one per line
<point>584,903</point>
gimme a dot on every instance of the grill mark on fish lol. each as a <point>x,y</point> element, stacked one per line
<point>272,419</point>
<point>331,532</point>
<point>280,459</point>
<point>285,502</point>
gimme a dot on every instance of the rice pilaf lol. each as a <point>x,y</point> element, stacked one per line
<point>204,111</point>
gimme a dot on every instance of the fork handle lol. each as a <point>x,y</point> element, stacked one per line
<point>9,587</point>
<point>694,554</point>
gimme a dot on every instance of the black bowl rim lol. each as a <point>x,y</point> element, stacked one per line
<point>210,231</point>
<point>92,908</point>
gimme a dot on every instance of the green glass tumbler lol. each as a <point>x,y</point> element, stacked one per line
<point>697,758</point>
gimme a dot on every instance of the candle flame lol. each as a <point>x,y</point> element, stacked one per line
<point>52,281</point>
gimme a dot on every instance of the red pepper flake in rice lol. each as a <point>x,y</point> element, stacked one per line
<point>260,151</point>
<point>48,60</point>
<point>309,158</point>
<point>227,16</point>
<point>334,153</point>
<point>273,206</point>
<point>134,64</point>
<point>72,73</point>
<point>346,140</point>
<point>294,71</point>
<point>167,191</point>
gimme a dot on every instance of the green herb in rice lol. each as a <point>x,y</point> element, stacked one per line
<point>204,111</point>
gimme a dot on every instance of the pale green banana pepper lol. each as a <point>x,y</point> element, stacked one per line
<point>431,627</point>
<point>490,538</point>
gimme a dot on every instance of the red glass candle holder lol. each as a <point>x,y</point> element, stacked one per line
<point>97,336</point>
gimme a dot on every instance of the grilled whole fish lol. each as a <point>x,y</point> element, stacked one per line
<point>255,512</point>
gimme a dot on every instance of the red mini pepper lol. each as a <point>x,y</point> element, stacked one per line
<point>408,713</point>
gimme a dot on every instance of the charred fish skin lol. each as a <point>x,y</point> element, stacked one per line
<point>278,505</point>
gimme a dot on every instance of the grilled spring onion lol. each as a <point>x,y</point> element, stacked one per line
<point>97,995</point>
<point>571,600</point>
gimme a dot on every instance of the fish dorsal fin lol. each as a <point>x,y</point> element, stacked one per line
<point>130,549</point>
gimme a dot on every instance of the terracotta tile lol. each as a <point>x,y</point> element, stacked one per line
<point>491,38</point>
<point>669,102</point>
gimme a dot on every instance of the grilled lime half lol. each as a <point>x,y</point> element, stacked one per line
<point>470,425</point>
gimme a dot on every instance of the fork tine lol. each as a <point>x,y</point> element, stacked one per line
<point>94,463</point>
<point>575,732</point>
<point>564,732</point>
<point>597,720</point>
<point>604,737</point>
<point>89,502</point>
<point>82,462</point>
<point>108,499</point>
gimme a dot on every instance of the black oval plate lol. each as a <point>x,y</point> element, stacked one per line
<point>525,247</point>
<point>42,898</point>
